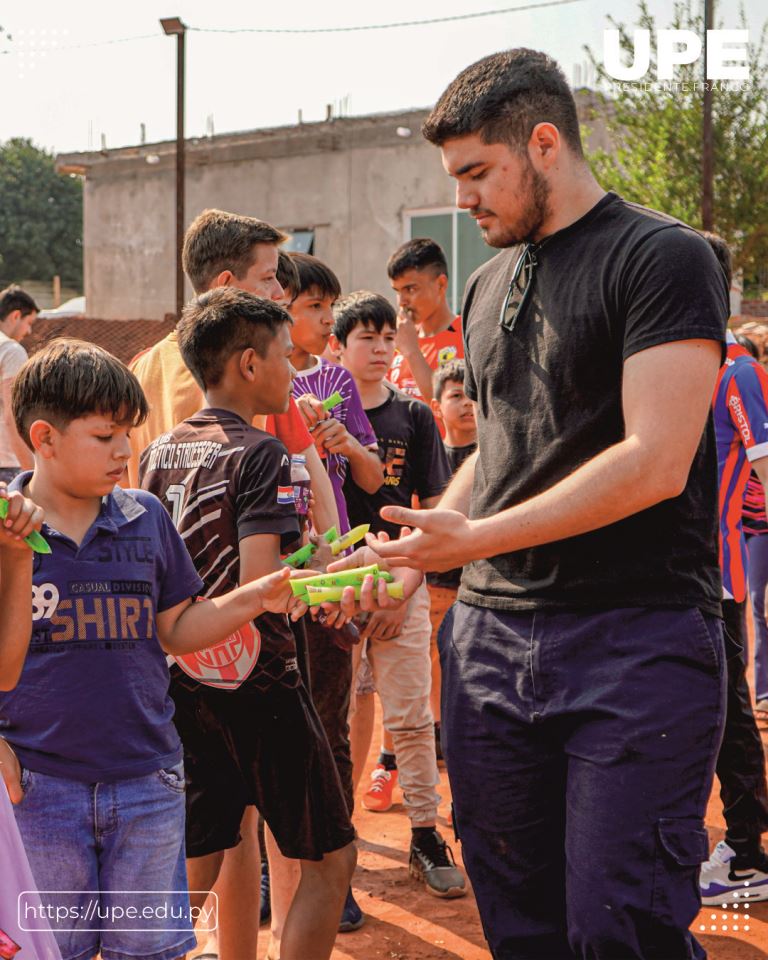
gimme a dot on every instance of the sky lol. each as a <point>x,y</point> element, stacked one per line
<point>65,82</point>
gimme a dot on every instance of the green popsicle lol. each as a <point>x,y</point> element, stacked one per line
<point>333,401</point>
<point>34,541</point>
<point>355,535</point>
<point>299,557</point>
<point>345,578</point>
<point>318,595</point>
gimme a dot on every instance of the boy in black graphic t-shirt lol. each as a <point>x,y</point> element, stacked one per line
<point>251,735</point>
<point>398,640</point>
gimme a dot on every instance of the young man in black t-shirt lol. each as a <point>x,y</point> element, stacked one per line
<point>398,640</point>
<point>251,735</point>
<point>583,664</point>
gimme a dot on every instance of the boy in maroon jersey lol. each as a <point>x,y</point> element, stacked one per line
<point>251,735</point>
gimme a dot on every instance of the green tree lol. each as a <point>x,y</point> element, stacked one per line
<point>656,133</point>
<point>41,217</point>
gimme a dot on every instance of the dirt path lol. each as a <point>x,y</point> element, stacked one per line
<point>403,922</point>
<point>406,923</point>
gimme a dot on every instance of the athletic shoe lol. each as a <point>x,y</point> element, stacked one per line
<point>725,880</point>
<point>378,798</point>
<point>266,906</point>
<point>352,917</point>
<point>432,861</point>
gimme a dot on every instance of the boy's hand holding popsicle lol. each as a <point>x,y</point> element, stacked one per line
<point>20,522</point>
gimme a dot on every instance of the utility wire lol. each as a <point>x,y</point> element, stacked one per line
<point>305,30</point>
<point>30,51</point>
<point>383,26</point>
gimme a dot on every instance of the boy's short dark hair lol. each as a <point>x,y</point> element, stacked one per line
<point>216,241</point>
<point>750,345</point>
<point>316,276</point>
<point>452,372</point>
<point>221,322</point>
<point>502,97</point>
<point>722,251</point>
<point>14,298</point>
<point>287,275</point>
<point>69,379</point>
<point>365,309</point>
<point>418,254</point>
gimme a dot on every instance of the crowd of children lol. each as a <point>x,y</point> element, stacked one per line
<point>167,689</point>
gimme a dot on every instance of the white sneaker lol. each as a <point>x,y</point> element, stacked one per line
<point>720,882</point>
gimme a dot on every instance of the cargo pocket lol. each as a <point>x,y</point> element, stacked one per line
<point>681,847</point>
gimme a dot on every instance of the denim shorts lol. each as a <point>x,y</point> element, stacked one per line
<point>108,860</point>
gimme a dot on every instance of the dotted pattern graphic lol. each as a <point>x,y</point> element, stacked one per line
<point>738,921</point>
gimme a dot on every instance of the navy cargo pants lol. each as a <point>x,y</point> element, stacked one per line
<point>580,749</point>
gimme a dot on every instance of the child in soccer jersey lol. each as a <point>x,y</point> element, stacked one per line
<point>250,732</point>
<point>90,753</point>
<point>398,640</point>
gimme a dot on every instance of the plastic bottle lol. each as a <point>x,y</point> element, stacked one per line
<point>300,481</point>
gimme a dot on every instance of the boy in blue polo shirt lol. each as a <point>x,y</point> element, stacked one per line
<point>90,721</point>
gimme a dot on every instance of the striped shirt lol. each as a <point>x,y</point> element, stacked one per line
<point>740,409</point>
<point>223,480</point>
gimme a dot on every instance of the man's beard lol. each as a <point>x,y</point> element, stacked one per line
<point>535,192</point>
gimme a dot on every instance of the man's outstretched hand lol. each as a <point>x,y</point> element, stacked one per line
<point>437,540</point>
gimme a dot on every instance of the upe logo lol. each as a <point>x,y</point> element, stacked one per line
<point>726,53</point>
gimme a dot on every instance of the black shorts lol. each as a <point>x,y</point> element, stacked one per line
<point>267,749</point>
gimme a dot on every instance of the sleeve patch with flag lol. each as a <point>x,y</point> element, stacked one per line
<point>285,494</point>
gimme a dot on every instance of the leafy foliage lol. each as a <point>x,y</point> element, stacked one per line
<point>656,129</point>
<point>41,217</point>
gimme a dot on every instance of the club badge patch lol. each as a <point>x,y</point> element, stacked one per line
<point>228,664</point>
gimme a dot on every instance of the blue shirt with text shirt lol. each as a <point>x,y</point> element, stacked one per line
<point>92,702</point>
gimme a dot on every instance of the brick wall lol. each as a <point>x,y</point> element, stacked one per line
<point>123,338</point>
<point>754,308</point>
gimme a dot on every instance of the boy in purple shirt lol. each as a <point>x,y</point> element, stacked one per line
<point>94,758</point>
<point>344,437</point>
<point>346,442</point>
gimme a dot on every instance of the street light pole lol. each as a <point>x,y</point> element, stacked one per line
<point>707,146</point>
<point>173,26</point>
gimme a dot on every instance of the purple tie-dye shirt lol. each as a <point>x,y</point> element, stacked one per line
<point>322,380</point>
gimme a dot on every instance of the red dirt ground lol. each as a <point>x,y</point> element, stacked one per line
<point>403,922</point>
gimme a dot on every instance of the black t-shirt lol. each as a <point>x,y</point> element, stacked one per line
<point>414,461</point>
<point>451,578</point>
<point>223,480</point>
<point>619,280</point>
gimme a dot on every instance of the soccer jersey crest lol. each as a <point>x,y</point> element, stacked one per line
<point>228,664</point>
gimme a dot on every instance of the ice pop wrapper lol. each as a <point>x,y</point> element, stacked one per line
<point>299,557</point>
<point>318,595</point>
<point>353,536</point>
<point>344,578</point>
<point>34,541</point>
<point>333,401</point>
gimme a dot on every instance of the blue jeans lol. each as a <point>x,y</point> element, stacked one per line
<point>757,572</point>
<point>93,849</point>
<point>580,749</point>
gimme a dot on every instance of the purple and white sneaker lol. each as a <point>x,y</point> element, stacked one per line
<point>722,882</point>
